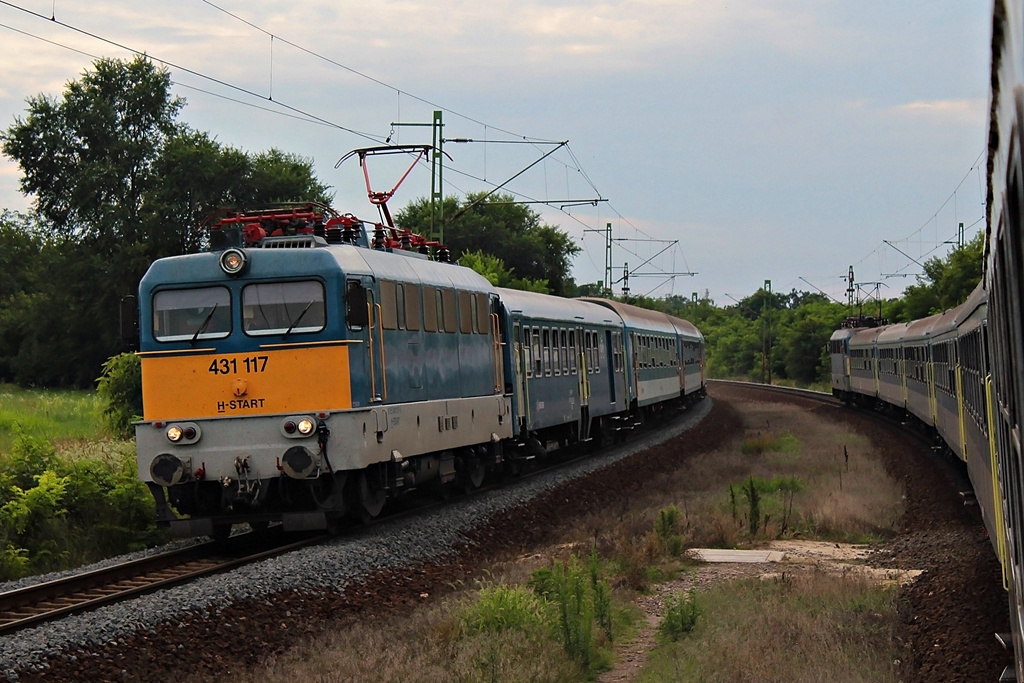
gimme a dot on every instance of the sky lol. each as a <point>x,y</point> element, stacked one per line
<point>727,143</point>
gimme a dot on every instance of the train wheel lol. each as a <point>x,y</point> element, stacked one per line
<point>472,475</point>
<point>371,500</point>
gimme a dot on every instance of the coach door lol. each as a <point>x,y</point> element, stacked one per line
<point>579,344</point>
<point>520,364</point>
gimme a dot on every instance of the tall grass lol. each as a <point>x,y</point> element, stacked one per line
<point>58,415</point>
<point>69,494</point>
<point>812,627</point>
<point>797,628</point>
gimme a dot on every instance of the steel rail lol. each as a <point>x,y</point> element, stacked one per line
<point>33,605</point>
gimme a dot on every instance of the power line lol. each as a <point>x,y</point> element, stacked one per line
<point>296,112</point>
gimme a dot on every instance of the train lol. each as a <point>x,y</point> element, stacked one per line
<point>310,366</point>
<point>959,372</point>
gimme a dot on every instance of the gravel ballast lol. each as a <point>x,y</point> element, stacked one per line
<point>340,566</point>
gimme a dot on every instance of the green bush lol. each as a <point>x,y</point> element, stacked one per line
<point>57,514</point>
<point>502,608</point>
<point>602,595</point>
<point>581,599</point>
<point>120,387</point>
<point>666,530</point>
<point>30,457</point>
<point>681,612</point>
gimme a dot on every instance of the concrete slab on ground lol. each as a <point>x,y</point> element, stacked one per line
<point>740,556</point>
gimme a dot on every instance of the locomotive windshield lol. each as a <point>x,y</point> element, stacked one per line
<point>283,307</point>
<point>190,314</point>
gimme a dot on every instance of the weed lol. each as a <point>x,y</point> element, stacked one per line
<point>770,443</point>
<point>501,608</point>
<point>753,496</point>
<point>681,612</point>
<point>602,596</point>
<point>666,531</point>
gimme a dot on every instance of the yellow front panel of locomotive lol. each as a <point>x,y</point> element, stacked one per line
<point>268,381</point>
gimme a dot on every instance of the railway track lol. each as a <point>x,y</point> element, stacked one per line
<point>777,389</point>
<point>52,600</point>
<point>59,598</point>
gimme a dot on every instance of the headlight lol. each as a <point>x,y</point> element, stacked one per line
<point>298,427</point>
<point>183,433</point>
<point>233,261</point>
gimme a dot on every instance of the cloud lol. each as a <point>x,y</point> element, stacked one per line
<point>962,111</point>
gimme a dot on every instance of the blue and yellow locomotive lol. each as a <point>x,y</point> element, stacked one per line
<point>309,367</point>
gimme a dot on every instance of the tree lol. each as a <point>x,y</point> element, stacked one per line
<point>88,158</point>
<point>199,175</point>
<point>501,227</point>
<point>494,269</point>
<point>117,182</point>
<point>947,282</point>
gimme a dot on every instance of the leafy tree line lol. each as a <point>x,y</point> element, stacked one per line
<point>117,181</point>
<point>783,336</point>
<point>502,240</point>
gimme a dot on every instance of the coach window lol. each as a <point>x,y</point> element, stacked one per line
<point>465,314</point>
<point>388,305</point>
<point>430,298</point>
<point>565,351</point>
<point>400,305</point>
<point>283,307</point>
<point>537,369</point>
<point>355,304</point>
<point>187,314</point>
<point>482,314</point>
<point>410,303</point>
<point>572,351</point>
<point>555,365</point>
<point>545,349</point>
<point>527,352</point>
<point>448,296</point>
<point>439,312</point>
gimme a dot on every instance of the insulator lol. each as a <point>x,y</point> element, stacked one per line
<point>349,234</point>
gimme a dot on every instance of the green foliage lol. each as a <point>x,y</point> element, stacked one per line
<point>30,457</point>
<point>117,182</point>
<point>764,497</point>
<point>581,599</point>
<point>666,530</point>
<point>57,514</point>
<point>770,443</point>
<point>681,613</point>
<point>946,282</point>
<point>529,248</point>
<point>120,387</point>
<point>602,593</point>
<point>494,269</point>
<point>501,608</point>
<point>753,496</point>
